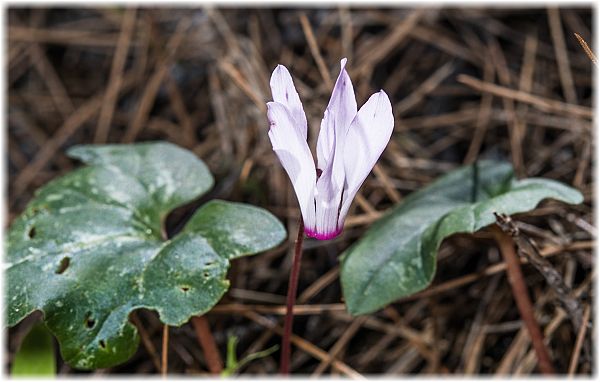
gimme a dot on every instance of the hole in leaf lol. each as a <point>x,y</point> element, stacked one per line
<point>184,288</point>
<point>64,264</point>
<point>31,233</point>
<point>102,344</point>
<point>89,320</point>
<point>206,275</point>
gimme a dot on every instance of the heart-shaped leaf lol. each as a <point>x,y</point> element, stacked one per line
<point>89,248</point>
<point>396,256</point>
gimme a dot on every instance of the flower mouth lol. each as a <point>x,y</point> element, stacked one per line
<point>322,235</point>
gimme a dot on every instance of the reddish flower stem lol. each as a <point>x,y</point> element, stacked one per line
<point>291,299</point>
<point>165,351</point>
<point>521,296</point>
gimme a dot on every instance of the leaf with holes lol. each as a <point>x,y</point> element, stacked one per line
<point>396,256</point>
<point>89,249</point>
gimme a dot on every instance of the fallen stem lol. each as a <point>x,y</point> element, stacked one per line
<point>540,103</point>
<point>579,342</point>
<point>208,344</point>
<point>291,299</point>
<point>587,49</point>
<point>528,249</point>
<point>521,296</point>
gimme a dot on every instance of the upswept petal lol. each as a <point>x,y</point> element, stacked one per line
<point>338,116</point>
<point>284,92</point>
<point>327,203</point>
<point>367,137</point>
<point>292,150</point>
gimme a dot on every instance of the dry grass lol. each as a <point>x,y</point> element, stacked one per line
<point>465,83</point>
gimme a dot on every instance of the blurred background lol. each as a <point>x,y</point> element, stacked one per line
<point>466,83</point>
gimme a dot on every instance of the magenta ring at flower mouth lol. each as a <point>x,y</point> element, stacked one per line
<point>322,236</point>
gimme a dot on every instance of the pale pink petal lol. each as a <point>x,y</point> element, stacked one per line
<point>334,127</point>
<point>284,92</point>
<point>337,118</point>
<point>328,199</point>
<point>292,150</point>
<point>367,137</point>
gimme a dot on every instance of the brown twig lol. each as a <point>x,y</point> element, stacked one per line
<point>562,56</point>
<point>180,110</point>
<point>319,284</point>
<point>367,58</point>
<point>314,49</point>
<point>541,103</point>
<point>53,82</point>
<point>521,340</point>
<point>387,184</point>
<point>483,117</point>
<point>243,84</point>
<point>116,77</point>
<point>65,37</point>
<point>75,121</point>
<point>146,341</point>
<point>514,125</point>
<point>71,124</point>
<point>472,351</point>
<point>521,296</point>
<point>579,343</point>
<point>586,48</point>
<point>153,84</point>
<point>306,346</point>
<point>208,344</point>
<point>340,344</point>
<point>429,85</point>
<point>528,249</point>
<point>528,361</point>
<point>220,110</point>
<point>444,42</point>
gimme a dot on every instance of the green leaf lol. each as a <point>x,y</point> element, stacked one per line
<point>88,250</point>
<point>35,357</point>
<point>396,256</point>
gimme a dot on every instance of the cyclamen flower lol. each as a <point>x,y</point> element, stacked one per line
<point>348,147</point>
